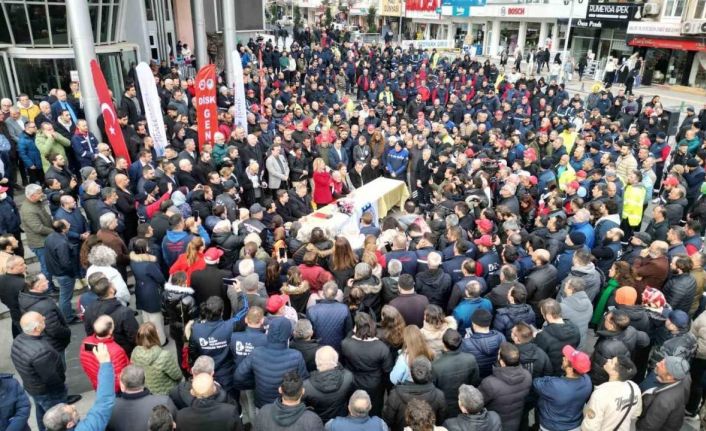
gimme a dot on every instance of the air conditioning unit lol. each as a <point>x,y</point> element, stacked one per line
<point>694,27</point>
<point>651,9</point>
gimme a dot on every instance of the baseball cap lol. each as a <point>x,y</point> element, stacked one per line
<point>276,302</point>
<point>256,208</point>
<point>644,237</point>
<point>228,185</point>
<point>484,225</point>
<point>579,361</point>
<point>212,255</point>
<point>574,185</point>
<point>485,241</point>
<point>581,174</point>
<point>671,181</point>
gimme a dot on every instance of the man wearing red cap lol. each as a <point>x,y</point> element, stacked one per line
<point>561,399</point>
<point>209,281</point>
<point>488,262</point>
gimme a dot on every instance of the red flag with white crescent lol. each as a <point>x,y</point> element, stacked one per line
<point>206,108</point>
<point>112,128</point>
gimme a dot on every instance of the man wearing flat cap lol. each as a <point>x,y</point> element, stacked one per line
<point>663,404</point>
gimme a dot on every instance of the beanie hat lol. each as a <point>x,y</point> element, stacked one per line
<point>676,366</point>
<point>626,295</point>
<point>577,238</point>
<point>653,296</point>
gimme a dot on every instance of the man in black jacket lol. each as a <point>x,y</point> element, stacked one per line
<point>123,317</point>
<point>206,412</point>
<point>474,415</point>
<point>300,201</point>
<point>394,411</point>
<point>452,369</point>
<point>35,298</point>
<point>41,367</point>
<point>328,388</point>
<point>61,264</point>
<point>288,412</point>
<point>12,282</point>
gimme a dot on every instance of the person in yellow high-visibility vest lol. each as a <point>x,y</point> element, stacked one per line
<point>633,203</point>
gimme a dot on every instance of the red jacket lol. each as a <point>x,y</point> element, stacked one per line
<point>182,265</point>
<point>315,275</point>
<point>322,188</point>
<point>90,364</point>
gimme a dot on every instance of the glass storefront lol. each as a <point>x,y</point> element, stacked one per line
<point>700,66</point>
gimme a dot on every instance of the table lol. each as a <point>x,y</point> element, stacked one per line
<point>378,197</point>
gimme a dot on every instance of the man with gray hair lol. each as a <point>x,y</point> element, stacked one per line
<point>330,319</point>
<point>109,197</point>
<point>181,394</point>
<point>303,341</point>
<point>434,283</point>
<point>327,389</point>
<point>576,306</point>
<point>135,403</point>
<point>473,415</point>
<point>358,418</point>
<point>40,366</point>
<point>422,388</point>
<point>36,223</point>
<point>390,287</point>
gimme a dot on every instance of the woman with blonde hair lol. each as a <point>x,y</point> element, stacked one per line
<point>377,144</point>
<point>321,177</point>
<point>191,260</point>
<point>413,346</point>
<point>297,289</point>
<point>162,372</point>
<point>435,324</point>
<point>391,328</point>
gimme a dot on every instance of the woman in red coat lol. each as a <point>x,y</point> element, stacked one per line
<point>322,183</point>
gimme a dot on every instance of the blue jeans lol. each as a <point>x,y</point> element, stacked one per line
<point>44,402</point>
<point>66,292</point>
<point>39,252</point>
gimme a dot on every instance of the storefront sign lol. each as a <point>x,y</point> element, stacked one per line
<point>390,8</point>
<point>459,8</point>
<point>587,23</point>
<point>512,11</point>
<point>652,28</point>
<point>429,44</point>
<point>425,9</point>
<point>613,11</point>
<point>678,44</point>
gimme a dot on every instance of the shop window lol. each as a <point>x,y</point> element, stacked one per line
<point>699,11</point>
<point>93,12</point>
<point>114,30</point>
<point>18,22</point>
<point>105,22</point>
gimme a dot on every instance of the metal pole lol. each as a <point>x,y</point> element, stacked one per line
<point>229,39</point>
<point>403,12</point>
<point>84,52</point>
<point>200,43</point>
<point>568,32</point>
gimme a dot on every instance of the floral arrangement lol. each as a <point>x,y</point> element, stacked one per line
<point>345,206</point>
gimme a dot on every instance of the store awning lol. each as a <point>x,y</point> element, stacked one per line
<point>680,44</point>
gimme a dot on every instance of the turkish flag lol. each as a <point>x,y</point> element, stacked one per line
<point>112,128</point>
<point>206,108</point>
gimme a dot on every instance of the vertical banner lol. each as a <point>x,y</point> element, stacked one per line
<point>206,108</point>
<point>110,119</point>
<point>153,109</point>
<point>241,114</point>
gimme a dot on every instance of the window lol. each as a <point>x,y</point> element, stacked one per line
<point>18,22</point>
<point>4,30</point>
<point>59,30</point>
<point>93,12</point>
<point>674,8</point>
<point>40,27</point>
<point>105,22</point>
<point>699,11</point>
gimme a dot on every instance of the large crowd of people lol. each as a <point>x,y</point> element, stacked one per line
<point>546,273</point>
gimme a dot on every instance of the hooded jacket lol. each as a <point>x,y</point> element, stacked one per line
<point>175,243</point>
<point>162,372</point>
<point>484,346</point>
<point>182,398</point>
<point>591,278</point>
<point>504,392</point>
<point>371,287</point>
<point>435,284</point>
<point>534,360</point>
<point>265,367</point>
<point>394,411</point>
<point>578,309</point>
<point>370,361</point>
<point>277,416</point>
<point>91,366</point>
<point>180,306</point>
<point>509,316</point>
<point>327,392</point>
<point>450,370</point>
<point>485,420</point>
<point>209,414</point>
<point>56,329</point>
<point>148,282</point>
<point>553,337</point>
<point>663,406</point>
<point>212,338</point>
<point>137,408</point>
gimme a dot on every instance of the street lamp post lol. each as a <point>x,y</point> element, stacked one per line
<point>568,29</point>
